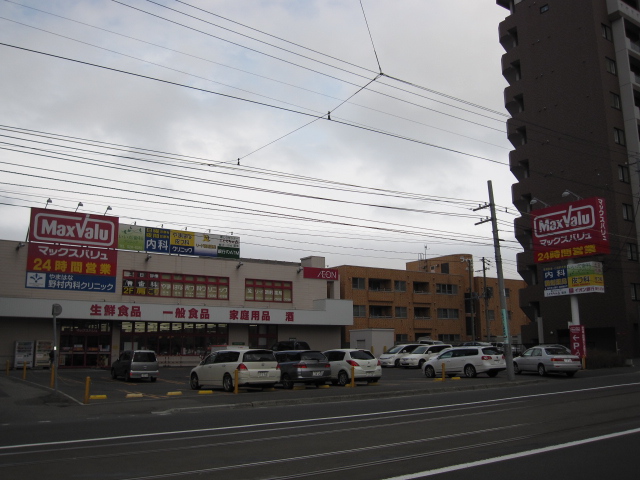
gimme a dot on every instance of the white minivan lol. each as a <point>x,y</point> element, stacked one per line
<point>392,357</point>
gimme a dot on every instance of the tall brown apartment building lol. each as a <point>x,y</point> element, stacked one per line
<point>573,68</point>
<point>430,299</point>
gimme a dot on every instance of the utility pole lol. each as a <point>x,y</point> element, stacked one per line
<point>485,295</point>
<point>508,353</point>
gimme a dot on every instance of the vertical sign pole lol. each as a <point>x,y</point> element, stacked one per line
<point>56,310</point>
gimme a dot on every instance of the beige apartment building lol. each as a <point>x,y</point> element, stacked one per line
<point>430,299</point>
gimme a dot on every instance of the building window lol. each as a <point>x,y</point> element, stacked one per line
<point>446,289</point>
<point>267,291</point>
<point>420,287</point>
<point>491,315</point>
<point>618,136</point>
<point>401,312</point>
<point>153,284</point>
<point>449,338</point>
<point>359,311</point>
<point>607,33</point>
<point>488,292</point>
<point>400,286</point>
<point>421,313</point>
<point>623,173</point>
<point>379,285</point>
<point>507,292</point>
<point>615,100</point>
<point>627,212</point>
<point>357,283</point>
<point>402,338</point>
<point>445,313</point>
<point>544,8</point>
<point>380,311</point>
<point>632,252</point>
<point>635,291</point>
<point>611,66</point>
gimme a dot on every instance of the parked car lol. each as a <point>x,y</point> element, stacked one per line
<point>365,365</point>
<point>290,345</point>
<point>135,364</point>
<point>256,368</point>
<point>547,359</point>
<point>303,366</point>
<point>466,360</point>
<point>475,344</point>
<point>429,341</point>
<point>420,355</point>
<point>392,357</point>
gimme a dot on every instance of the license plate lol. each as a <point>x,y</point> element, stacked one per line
<point>318,374</point>
<point>369,374</point>
<point>144,375</point>
<point>263,374</point>
<point>567,360</point>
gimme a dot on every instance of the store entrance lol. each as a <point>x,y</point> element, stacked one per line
<point>85,343</point>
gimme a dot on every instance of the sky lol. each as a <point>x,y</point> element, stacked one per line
<point>365,132</point>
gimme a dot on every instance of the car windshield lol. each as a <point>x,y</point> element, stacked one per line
<point>556,351</point>
<point>362,355</point>
<point>313,356</point>
<point>259,356</point>
<point>421,349</point>
<point>395,349</point>
<point>144,357</point>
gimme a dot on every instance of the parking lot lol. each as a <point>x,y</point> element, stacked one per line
<point>173,384</point>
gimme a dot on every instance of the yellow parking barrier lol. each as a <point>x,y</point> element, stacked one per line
<point>299,387</point>
<point>97,397</point>
<point>134,395</point>
<point>324,386</point>
<point>87,389</point>
<point>175,393</point>
<point>205,392</point>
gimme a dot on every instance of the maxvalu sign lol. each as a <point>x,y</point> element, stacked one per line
<point>570,230</point>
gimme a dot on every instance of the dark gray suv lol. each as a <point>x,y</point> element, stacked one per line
<point>135,364</point>
<point>303,366</point>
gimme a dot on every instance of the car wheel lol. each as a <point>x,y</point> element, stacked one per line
<point>194,383</point>
<point>397,363</point>
<point>429,372</point>
<point>286,382</point>
<point>127,378</point>
<point>516,369</point>
<point>570,374</point>
<point>421,363</point>
<point>469,371</point>
<point>227,383</point>
<point>541,370</point>
<point>114,375</point>
<point>319,384</point>
<point>153,379</point>
<point>343,378</point>
<point>492,373</point>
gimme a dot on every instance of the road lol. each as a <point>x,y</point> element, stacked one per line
<point>559,428</point>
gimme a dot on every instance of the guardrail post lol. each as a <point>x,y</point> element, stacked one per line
<point>24,370</point>
<point>87,390</point>
<point>235,381</point>
<point>353,376</point>
<point>444,367</point>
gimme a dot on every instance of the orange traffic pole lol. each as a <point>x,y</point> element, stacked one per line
<point>87,390</point>
<point>443,371</point>
<point>24,371</point>
<point>235,381</point>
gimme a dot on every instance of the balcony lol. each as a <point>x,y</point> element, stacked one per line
<point>619,9</point>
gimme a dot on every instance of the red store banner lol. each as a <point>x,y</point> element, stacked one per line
<point>55,258</point>
<point>56,226</point>
<point>570,230</point>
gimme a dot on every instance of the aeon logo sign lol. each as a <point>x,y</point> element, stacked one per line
<point>571,219</point>
<point>74,228</point>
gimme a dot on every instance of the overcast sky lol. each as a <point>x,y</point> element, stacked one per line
<point>149,106</point>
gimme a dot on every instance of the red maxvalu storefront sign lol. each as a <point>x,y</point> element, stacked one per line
<point>74,228</point>
<point>571,230</point>
<point>56,258</point>
<point>320,273</point>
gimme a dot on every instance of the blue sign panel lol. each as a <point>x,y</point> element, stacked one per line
<point>70,281</point>
<point>157,240</point>
<point>556,281</point>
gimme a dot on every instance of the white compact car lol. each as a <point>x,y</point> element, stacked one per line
<point>466,360</point>
<point>420,355</point>
<point>365,365</point>
<point>256,368</point>
<point>392,357</point>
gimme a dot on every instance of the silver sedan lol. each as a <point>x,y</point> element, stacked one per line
<point>547,359</point>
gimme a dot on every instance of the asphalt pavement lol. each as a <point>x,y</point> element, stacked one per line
<point>32,398</point>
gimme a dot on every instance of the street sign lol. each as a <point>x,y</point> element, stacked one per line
<point>578,340</point>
